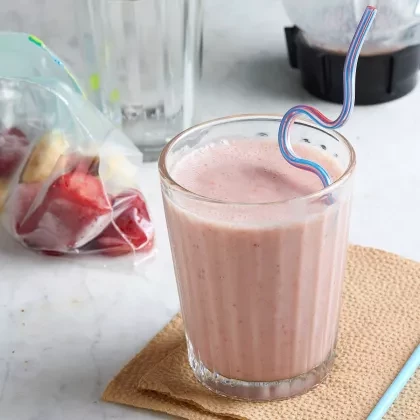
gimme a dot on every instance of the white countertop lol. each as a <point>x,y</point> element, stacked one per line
<point>66,330</point>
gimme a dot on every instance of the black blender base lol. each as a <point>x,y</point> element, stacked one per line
<point>379,78</point>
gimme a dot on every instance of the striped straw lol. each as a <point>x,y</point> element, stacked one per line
<point>292,114</point>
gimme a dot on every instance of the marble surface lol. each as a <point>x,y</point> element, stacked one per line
<point>66,329</point>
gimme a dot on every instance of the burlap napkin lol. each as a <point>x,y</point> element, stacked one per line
<point>380,327</point>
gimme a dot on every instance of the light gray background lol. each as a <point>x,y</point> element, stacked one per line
<point>81,325</point>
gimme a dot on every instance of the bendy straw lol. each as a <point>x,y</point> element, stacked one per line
<point>349,74</point>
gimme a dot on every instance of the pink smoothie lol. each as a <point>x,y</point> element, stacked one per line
<point>259,285</point>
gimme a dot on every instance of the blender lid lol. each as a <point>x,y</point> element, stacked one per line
<point>379,78</point>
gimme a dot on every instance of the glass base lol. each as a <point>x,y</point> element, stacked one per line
<point>150,128</point>
<point>150,153</point>
<point>259,391</point>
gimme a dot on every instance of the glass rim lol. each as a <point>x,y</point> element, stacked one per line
<point>165,176</point>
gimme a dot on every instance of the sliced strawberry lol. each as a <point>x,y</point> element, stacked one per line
<point>13,147</point>
<point>73,211</point>
<point>82,188</point>
<point>132,229</point>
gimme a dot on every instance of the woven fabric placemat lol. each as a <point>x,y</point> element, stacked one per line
<point>379,329</point>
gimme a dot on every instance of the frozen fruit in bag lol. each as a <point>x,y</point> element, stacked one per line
<point>44,157</point>
<point>131,230</point>
<point>64,166</point>
<point>77,162</point>
<point>13,147</point>
<point>118,167</point>
<point>74,210</point>
<point>87,164</point>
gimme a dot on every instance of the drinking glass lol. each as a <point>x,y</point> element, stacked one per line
<point>259,284</point>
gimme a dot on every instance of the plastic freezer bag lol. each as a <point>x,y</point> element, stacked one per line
<point>69,180</point>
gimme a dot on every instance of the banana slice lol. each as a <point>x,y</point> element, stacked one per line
<point>3,192</point>
<point>119,169</point>
<point>44,157</point>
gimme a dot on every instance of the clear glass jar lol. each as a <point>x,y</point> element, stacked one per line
<point>154,50</point>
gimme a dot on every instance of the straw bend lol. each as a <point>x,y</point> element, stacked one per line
<point>317,116</point>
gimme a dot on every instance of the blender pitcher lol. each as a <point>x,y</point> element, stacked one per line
<point>390,58</point>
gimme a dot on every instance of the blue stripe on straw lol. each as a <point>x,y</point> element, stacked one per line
<point>408,370</point>
<point>349,77</point>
